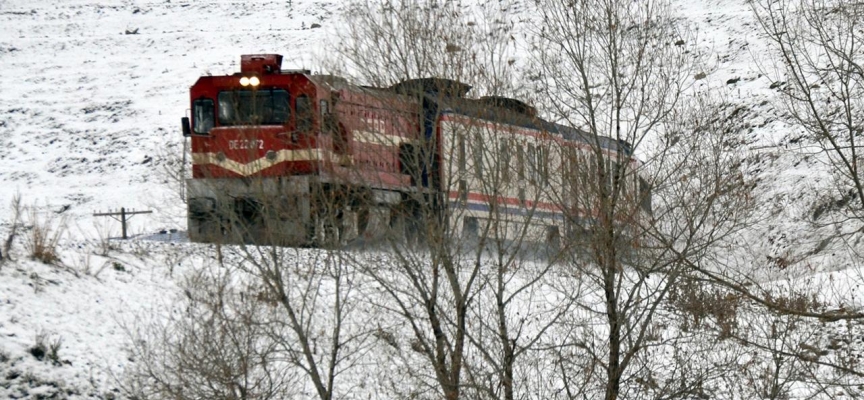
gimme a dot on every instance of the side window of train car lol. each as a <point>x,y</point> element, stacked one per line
<point>478,155</point>
<point>322,108</point>
<point>610,174</point>
<point>645,196</point>
<point>304,113</point>
<point>504,160</point>
<point>571,176</point>
<point>328,120</point>
<point>520,161</point>
<point>544,163</point>
<point>203,116</point>
<point>593,171</point>
<point>617,182</point>
<point>460,152</point>
<point>409,161</point>
<point>531,161</point>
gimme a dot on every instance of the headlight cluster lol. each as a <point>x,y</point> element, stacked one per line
<point>247,81</point>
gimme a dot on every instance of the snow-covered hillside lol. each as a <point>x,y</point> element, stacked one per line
<point>91,96</point>
<point>93,91</point>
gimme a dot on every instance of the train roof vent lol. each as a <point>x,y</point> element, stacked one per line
<point>447,87</point>
<point>261,63</point>
<point>517,106</point>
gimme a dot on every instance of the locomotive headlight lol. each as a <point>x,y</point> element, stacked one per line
<point>244,81</point>
<point>254,81</point>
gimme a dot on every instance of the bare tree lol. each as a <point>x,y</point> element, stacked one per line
<point>315,325</point>
<point>821,81</point>
<point>621,71</point>
<point>703,200</point>
<point>215,346</point>
<point>396,40</point>
<point>260,322</point>
<point>472,299</point>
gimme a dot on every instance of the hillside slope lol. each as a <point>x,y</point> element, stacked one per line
<point>93,91</point>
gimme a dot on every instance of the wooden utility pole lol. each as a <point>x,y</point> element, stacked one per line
<point>124,216</point>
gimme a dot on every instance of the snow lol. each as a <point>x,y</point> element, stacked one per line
<point>84,308</point>
<point>91,94</point>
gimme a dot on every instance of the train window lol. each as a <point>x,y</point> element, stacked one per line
<point>471,228</point>
<point>460,153</point>
<point>328,121</point>
<point>520,160</point>
<point>610,176</point>
<point>645,195</point>
<point>593,171</point>
<point>254,107</point>
<point>322,108</point>
<point>409,162</point>
<point>304,113</point>
<point>203,117</point>
<point>478,155</point>
<point>571,181</point>
<point>617,174</point>
<point>543,152</point>
<point>504,160</point>
<point>532,163</point>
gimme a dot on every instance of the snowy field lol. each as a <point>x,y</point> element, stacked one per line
<point>91,96</point>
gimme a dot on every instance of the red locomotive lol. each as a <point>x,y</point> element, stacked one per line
<point>288,157</point>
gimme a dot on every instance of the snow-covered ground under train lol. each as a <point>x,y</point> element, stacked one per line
<point>91,94</point>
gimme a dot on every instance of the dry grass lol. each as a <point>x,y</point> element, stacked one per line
<point>17,210</point>
<point>44,235</point>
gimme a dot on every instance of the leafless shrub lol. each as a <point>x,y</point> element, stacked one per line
<point>82,264</point>
<point>46,350</point>
<point>797,302</point>
<point>39,348</point>
<point>15,225</point>
<point>216,348</point>
<point>43,236</point>
<point>704,304</point>
<point>387,337</point>
<point>103,242</point>
<point>54,351</point>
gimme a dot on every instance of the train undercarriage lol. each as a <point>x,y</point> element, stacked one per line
<point>293,211</point>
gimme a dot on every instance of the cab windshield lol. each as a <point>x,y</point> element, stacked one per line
<point>254,107</point>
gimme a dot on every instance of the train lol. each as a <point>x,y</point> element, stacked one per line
<point>292,158</point>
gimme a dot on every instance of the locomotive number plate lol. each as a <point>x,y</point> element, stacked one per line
<point>246,144</point>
